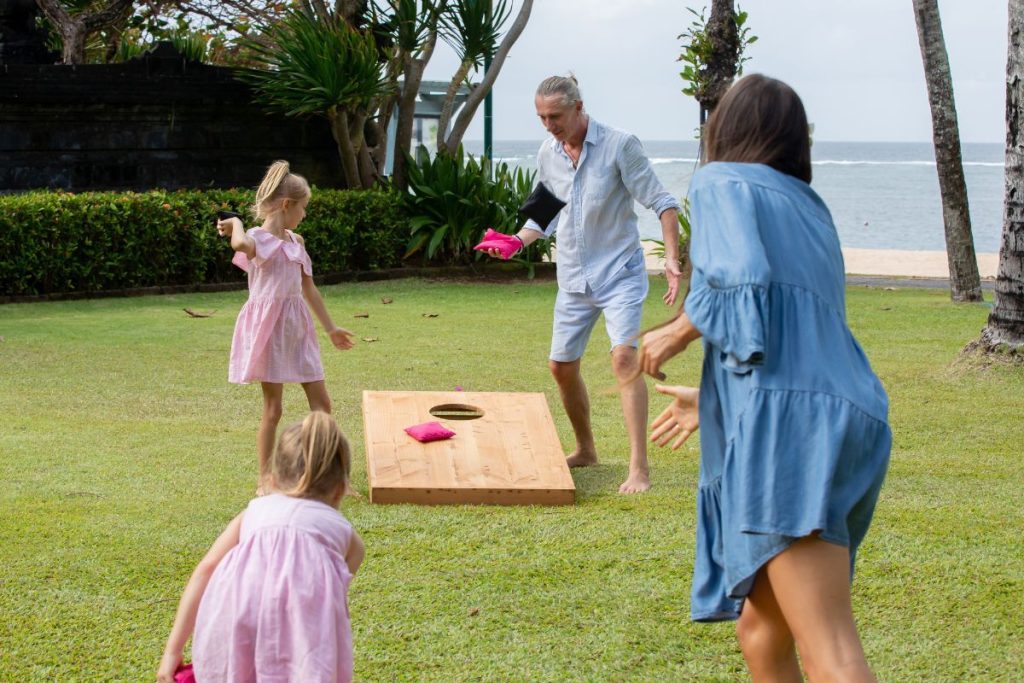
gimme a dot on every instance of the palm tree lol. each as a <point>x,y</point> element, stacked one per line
<point>322,65</point>
<point>964,281</point>
<point>1005,328</point>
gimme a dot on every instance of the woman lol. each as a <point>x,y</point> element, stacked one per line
<point>794,435</point>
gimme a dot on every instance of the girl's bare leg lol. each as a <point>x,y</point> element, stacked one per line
<point>317,397</point>
<point>272,406</point>
<point>765,638</point>
<point>811,583</point>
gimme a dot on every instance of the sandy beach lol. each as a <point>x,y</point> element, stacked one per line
<point>888,262</point>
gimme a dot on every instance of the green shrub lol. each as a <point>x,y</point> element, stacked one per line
<point>453,199</point>
<point>94,241</point>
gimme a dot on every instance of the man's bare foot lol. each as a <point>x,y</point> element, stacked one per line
<point>581,458</point>
<point>638,482</point>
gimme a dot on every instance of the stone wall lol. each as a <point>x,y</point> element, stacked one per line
<point>154,122</point>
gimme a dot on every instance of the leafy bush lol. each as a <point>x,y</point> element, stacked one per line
<point>453,199</point>
<point>94,241</point>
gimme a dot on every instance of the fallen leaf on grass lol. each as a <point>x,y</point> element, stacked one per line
<point>386,299</point>
<point>890,289</point>
<point>361,315</point>
<point>473,611</point>
<point>430,315</point>
<point>370,339</point>
<point>199,314</point>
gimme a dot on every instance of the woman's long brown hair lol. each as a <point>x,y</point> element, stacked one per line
<point>760,120</point>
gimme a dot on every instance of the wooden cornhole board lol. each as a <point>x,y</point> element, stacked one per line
<point>510,455</point>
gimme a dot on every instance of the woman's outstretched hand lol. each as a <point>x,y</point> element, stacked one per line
<point>680,419</point>
<point>341,338</point>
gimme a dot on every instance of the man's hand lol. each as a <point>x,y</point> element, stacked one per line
<point>679,419</point>
<point>341,338</point>
<point>674,277</point>
<point>656,347</point>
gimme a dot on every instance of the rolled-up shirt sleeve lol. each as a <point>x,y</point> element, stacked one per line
<point>639,178</point>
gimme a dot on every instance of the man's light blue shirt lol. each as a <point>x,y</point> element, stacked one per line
<point>597,228</point>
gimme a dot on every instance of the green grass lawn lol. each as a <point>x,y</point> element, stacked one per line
<point>124,452</point>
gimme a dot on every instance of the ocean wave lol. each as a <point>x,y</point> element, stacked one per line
<point>672,160</point>
<point>863,162</point>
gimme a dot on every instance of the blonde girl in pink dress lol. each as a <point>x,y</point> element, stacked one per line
<point>275,341</point>
<point>270,599</point>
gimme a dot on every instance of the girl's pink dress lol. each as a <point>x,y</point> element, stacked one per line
<point>275,340</point>
<point>276,607</point>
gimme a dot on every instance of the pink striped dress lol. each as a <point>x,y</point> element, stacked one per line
<point>274,339</point>
<point>276,607</point>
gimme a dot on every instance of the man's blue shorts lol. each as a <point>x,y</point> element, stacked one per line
<point>621,300</point>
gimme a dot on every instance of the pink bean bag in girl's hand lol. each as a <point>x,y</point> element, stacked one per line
<point>429,431</point>
<point>184,674</point>
<point>507,245</point>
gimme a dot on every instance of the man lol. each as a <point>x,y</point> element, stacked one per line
<point>598,171</point>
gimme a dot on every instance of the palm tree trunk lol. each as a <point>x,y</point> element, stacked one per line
<point>964,280</point>
<point>723,63</point>
<point>1006,321</point>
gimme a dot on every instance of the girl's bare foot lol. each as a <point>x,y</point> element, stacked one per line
<point>581,458</point>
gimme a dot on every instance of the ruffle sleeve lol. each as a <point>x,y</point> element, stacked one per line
<point>267,245</point>
<point>728,300</point>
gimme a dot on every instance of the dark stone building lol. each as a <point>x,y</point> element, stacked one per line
<point>158,121</point>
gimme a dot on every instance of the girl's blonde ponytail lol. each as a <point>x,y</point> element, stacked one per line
<point>279,182</point>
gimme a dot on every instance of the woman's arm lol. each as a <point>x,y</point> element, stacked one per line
<point>340,337</point>
<point>239,240</point>
<point>185,619</point>
<point>664,342</point>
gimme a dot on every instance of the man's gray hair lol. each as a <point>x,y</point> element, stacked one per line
<point>566,87</point>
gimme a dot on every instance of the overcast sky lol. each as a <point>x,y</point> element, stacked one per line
<point>856,64</point>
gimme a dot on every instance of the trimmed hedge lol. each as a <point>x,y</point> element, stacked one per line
<point>53,242</point>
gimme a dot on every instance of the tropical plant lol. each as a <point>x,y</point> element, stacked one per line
<point>658,246</point>
<point>713,53</point>
<point>321,65</point>
<point>454,198</point>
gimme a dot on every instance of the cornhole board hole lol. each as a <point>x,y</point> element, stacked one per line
<point>505,450</point>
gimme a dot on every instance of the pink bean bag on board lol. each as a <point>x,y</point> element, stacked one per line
<point>507,245</point>
<point>429,431</point>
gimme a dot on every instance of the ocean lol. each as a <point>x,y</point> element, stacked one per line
<point>882,195</point>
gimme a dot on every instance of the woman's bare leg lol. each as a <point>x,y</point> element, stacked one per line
<point>765,638</point>
<point>811,583</point>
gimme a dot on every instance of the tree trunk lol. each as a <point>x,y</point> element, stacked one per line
<point>964,281</point>
<point>346,151</point>
<point>414,68</point>
<point>723,63</point>
<point>1006,321</point>
<point>480,92</point>
<point>449,105</point>
<point>75,29</point>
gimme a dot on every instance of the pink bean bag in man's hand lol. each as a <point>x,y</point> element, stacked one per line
<point>429,431</point>
<point>507,245</point>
